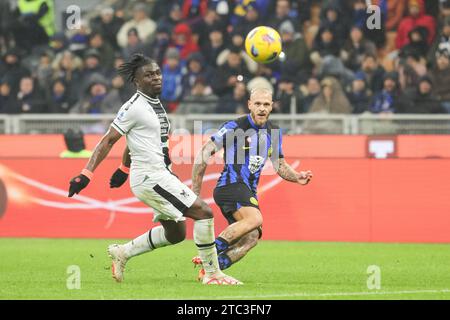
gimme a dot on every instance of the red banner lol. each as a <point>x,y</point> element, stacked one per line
<point>391,200</point>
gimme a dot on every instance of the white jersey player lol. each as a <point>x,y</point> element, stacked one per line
<point>145,124</point>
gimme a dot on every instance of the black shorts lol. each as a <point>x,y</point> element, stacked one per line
<point>233,196</point>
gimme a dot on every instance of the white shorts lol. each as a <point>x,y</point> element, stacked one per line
<point>163,191</point>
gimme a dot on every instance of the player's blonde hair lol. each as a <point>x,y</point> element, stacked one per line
<point>262,90</point>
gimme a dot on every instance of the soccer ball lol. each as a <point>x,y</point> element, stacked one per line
<point>263,44</point>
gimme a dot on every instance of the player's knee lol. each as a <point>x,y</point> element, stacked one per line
<point>257,221</point>
<point>176,237</point>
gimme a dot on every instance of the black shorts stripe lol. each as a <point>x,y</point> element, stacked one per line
<point>171,198</point>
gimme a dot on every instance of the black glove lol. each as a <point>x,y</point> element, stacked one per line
<point>77,184</point>
<point>118,179</point>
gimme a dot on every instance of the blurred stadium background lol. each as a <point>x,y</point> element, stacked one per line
<point>366,110</point>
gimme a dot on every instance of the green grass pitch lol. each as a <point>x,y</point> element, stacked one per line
<point>37,269</point>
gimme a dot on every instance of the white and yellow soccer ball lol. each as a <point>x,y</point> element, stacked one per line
<point>263,44</point>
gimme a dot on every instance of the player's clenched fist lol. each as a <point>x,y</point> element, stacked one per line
<point>77,184</point>
<point>304,177</point>
<point>118,178</point>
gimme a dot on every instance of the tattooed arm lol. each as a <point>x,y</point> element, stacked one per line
<point>200,164</point>
<point>286,172</point>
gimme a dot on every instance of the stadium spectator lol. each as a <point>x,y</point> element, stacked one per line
<point>92,102</point>
<point>134,44</point>
<point>105,50</point>
<point>234,102</point>
<point>117,95</point>
<point>389,100</point>
<point>440,77</point>
<point>417,17</point>
<point>333,19</point>
<point>324,44</point>
<point>7,100</point>
<point>331,99</point>
<point>161,8</point>
<point>174,18</point>
<point>67,67</point>
<point>373,73</point>
<point>194,10</point>
<point>308,93</point>
<point>202,28</point>
<point>294,47</point>
<point>355,48</point>
<point>7,20</point>
<point>11,69</point>
<point>91,67</point>
<point>58,43</point>
<point>422,100</point>
<point>30,98</point>
<point>251,19</point>
<point>199,100</point>
<point>59,99</point>
<point>36,23</point>
<point>182,41</point>
<point>196,68</point>
<point>79,39</point>
<point>214,46</point>
<point>158,47</point>
<point>172,73</point>
<point>43,71</point>
<point>442,40</point>
<point>226,76</point>
<point>359,95</point>
<point>237,42</point>
<point>287,96</point>
<point>410,69</point>
<point>417,44</point>
<point>282,14</point>
<point>145,26</point>
<point>395,11</point>
<point>108,24</point>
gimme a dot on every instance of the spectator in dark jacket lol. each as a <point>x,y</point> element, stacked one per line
<point>227,75</point>
<point>196,68</point>
<point>8,102</point>
<point>11,69</point>
<point>294,47</point>
<point>234,102</point>
<point>30,98</point>
<point>355,48</point>
<point>108,24</point>
<point>373,73</point>
<point>422,100</point>
<point>214,46</point>
<point>440,76</point>
<point>389,100</point>
<point>358,94</point>
<point>59,99</point>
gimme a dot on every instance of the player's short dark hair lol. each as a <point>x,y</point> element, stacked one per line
<point>128,69</point>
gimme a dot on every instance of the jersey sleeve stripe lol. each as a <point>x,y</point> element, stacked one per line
<point>121,131</point>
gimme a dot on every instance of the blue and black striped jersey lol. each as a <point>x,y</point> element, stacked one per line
<point>246,149</point>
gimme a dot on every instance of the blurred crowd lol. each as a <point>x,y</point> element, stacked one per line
<point>335,62</point>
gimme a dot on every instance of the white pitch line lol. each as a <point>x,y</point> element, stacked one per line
<point>327,294</point>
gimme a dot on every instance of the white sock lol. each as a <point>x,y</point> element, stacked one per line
<point>204,240</point>
<point>143,243</point>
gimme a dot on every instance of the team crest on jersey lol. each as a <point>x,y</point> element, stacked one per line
<point>120,115</point>
<point>255,163</point>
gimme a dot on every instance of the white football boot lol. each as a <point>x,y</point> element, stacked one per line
<point>117,254</point>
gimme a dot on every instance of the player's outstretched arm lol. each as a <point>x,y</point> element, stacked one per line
<point>100,152</point>
<point>121,174</point>
<point>285,171</point>
<point>200,164</point>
